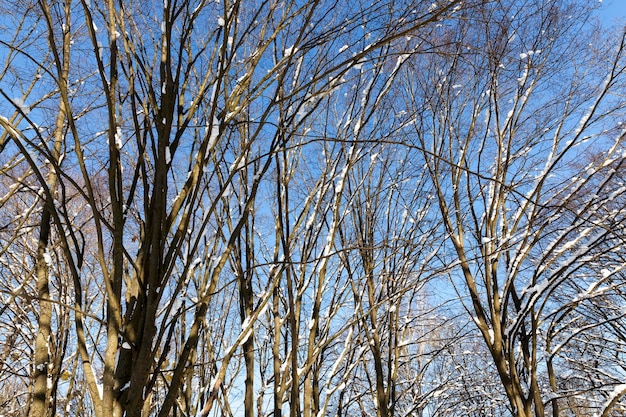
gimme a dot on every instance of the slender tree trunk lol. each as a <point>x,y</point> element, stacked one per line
<point>247,307</point>
<point>42,380</point>
<point>278,386</point>
<point>42,377</point>
<point>41,394</point>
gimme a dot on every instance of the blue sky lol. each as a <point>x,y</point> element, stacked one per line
<point>613,10</point>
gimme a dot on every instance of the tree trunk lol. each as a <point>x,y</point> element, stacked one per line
<point>42,380</point>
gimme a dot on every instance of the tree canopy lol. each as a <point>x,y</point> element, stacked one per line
<point>311,208</point>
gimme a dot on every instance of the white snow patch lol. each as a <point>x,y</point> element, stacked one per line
<point>213,132</point>
<point>357,128</point>
<point>20,104</point>
<point>246,323</point>
<point>47,258</point>
<point>118,137</point>
<point>291,50</point>
<point>168,155</point>
<point>194,264</point>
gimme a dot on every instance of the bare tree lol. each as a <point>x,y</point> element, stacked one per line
<point>170,115</point>
<point>498,118</point>
<point>310,208</point>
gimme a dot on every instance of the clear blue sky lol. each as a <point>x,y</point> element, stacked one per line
<point>613,11</point>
